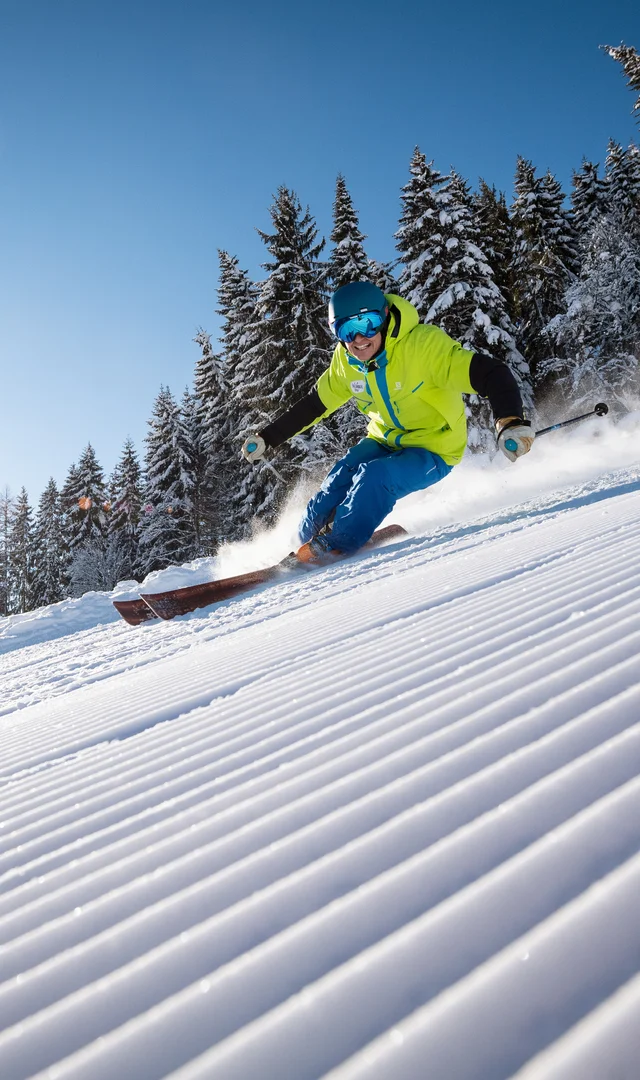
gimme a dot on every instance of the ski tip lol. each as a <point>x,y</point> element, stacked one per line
<point>134,612</point>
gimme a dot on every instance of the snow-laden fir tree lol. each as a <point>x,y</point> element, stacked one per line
<point>469,305</point>
<point>600,330</point>
<point>86,505</point>
<point>292,346</point>
<point>6,508</point>
<point>166,529</point>
<point>20,556</point>
<point>622,185</point>
<point>545,262</point>
<point>347,261</point>
<point>192,445</point>
<point>496,239</point>
<point>382,274</point>
<point>49,549</point>
<point>239,414</point>
<point>588,198</point>
<point>628,57</point>
<point>123,533</point>
<point>419,235</point>
<point>216,451</point>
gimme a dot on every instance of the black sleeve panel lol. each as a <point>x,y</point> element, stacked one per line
<point>495,381</point>
<point>295,419</point>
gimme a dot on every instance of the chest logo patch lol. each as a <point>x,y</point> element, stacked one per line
<point>358,386</point>
<point>398,386</point>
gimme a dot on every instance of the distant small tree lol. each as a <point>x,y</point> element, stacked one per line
<point>85,495</point>
<point>21,556</point>
<point>6,511</point>
<point>166,532</point>
<point>123,530</point>
<point>50,554</point>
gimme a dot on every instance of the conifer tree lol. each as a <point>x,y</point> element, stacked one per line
<point>191,438</point>
<point>21,556</point>
<point>628,57</point>
<point>419,235</point>
<point>469,306</point>
<point>347,261</point>
<point>382,274</point>
<point>123,533</point>
<point>588,198</point>
<point>292,346</point>
<point>545,260</point>
<point>166,532</point>
<point>87,519</point>
<point>216,455</point>
<point>622,185</point>
<point>240,333</point>
<point>50,554</point>
<point>600,331</point>
<point>496,239</point>
<point>6,510</point>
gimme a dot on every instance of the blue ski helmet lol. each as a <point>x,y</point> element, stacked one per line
<point>353,299</point>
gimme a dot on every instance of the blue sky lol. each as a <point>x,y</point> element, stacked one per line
<point>138,138</point>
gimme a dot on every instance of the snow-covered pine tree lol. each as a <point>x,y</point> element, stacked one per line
<point>628,57</point>
<point>20,556</point>
<point>600,331</point>
<point>382,274</point>
<point>588,198</point>
<point>292,346</point>
<point>87,526</point>
<point>87,519</point>
<point>50,553</point>
<point>419,236</point>
<point>470,307</point>
<point>123,533</point>
<point>6,510</point>
<point>545,263</point>
<point>347,261</point>
<point>496,238</point>
<point>166,530</point>
<point>240,332</point>
<point>191,446</point>
<point>217,469</point>
<point>622,185</point>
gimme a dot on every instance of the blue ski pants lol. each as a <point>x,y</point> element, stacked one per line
<point>363,487</point>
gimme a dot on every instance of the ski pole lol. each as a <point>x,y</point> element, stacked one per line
<point>599,410</point>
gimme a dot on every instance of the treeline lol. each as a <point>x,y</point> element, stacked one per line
<point>552,288</point>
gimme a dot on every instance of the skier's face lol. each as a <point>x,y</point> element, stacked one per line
<point>365,348</point>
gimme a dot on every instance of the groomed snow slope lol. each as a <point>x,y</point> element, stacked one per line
<point>380,820</point>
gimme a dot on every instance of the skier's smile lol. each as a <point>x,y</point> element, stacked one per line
<point>364,348</point>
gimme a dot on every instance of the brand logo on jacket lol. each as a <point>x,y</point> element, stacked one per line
<point>358,386</point>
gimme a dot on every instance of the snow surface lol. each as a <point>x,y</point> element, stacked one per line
<point>379,820</point>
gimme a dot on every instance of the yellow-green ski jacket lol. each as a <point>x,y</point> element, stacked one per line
<point>413,398</point>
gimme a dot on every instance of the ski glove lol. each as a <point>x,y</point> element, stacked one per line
<point>253,448</point>
<point>515,436</point>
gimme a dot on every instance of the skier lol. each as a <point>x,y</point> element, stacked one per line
<point>408,378</point>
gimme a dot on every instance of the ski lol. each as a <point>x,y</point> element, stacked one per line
<point>167,605</point>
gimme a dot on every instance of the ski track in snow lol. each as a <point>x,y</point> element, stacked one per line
<point>377,820</point>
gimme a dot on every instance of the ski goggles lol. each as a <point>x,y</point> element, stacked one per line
<point>368,323</point>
